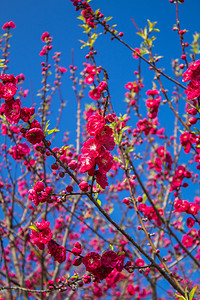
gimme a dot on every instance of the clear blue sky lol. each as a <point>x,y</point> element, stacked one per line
<point>32,18</point>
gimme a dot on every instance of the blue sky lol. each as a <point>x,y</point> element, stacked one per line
<point>32,18</point>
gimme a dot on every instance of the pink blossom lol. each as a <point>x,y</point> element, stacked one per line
<point>92,147</point>
<point>105,161</point>
<point>87,162</point>
<point>19,151</point>
<point>95,121</point>
<point>25,114</point>
<point>44,36</point>
<point>89,79</point>
<point>95,94</point>
<point>34,135</point>
<point>9,24</point>
<point>101,179</point>
<point>45,235</point>
<point>109,259</point>
<point>12,110</point>
<point>187,241</point>
<point>83,186</point>
<point>62,69</point>
<point>8,78</point>
<point>39,186</point>
<point>137,51</point>
<point>8,91</point>
<point>92,261</point>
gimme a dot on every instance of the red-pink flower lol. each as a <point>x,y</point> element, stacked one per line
<point>8,91</point>
<point>44,36</point>
<point>92,147</point>
<point>193,74</point>
<point>109,259</point>
<point>39,186</point>
<point>102,86</point>
<point>35,124</point>
<point>105,161</point>
<point>45,235</point>
<point>9,24</point>
<point>25,114</point>
<point>104,134</point>
<point>33,196</point>
<point>87,162</point>
<point>101,179</point>
<point>8,78</point>
<point>139,262</point>
<point>137,51</point>
<point>96,121</point>
<point>60,255</point>
<point>92,261</point>
<point>19,151</point>
<point>57,251</point>
<point>83,186</point>
<point>190,222</point>
<point>62,69</point>
<point>95,94</point>
<point>187,241</point>
<point>12,111</point>
<point>34,135</point>
<point>89,79</point>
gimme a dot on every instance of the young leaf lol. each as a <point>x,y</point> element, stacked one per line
<point>179,297</point>
<point>34,227</point>
<point>99,202</point>
<point>52,130</point>
<point>111,247</point>
<point>192,293</point>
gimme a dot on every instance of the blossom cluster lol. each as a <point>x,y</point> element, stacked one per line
<point>153,103</point>
<point>95,150</point>
<point>101,266</point>
<point>178,177</point>
<point>41,194</point>
<point>150,213</point>
<point>193,74</point>
<point>89,73</point>
<point>185,206</point>
<point>87,12</point>
<point>13,111</point>
<point>95,94</point>
<point>41,235</point>
<point>46,38</point>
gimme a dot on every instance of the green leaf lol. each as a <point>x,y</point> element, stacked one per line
<point>186,292</point>
<point>107,19</point>
<point>31,119</point>
<point>2,65</point>
<point>179,297</point>
<point>96,195</point>
<point>46,126</point>
<point>111,247</point>
<point>99,202</point>
<point>34,227</point>
<point>129,149</point>
<point>64,147</point>
<point>192,293</point>
<point>81,18</point>
<point>51,131</point>
<point>121,253</point>
<point>115,158</point>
